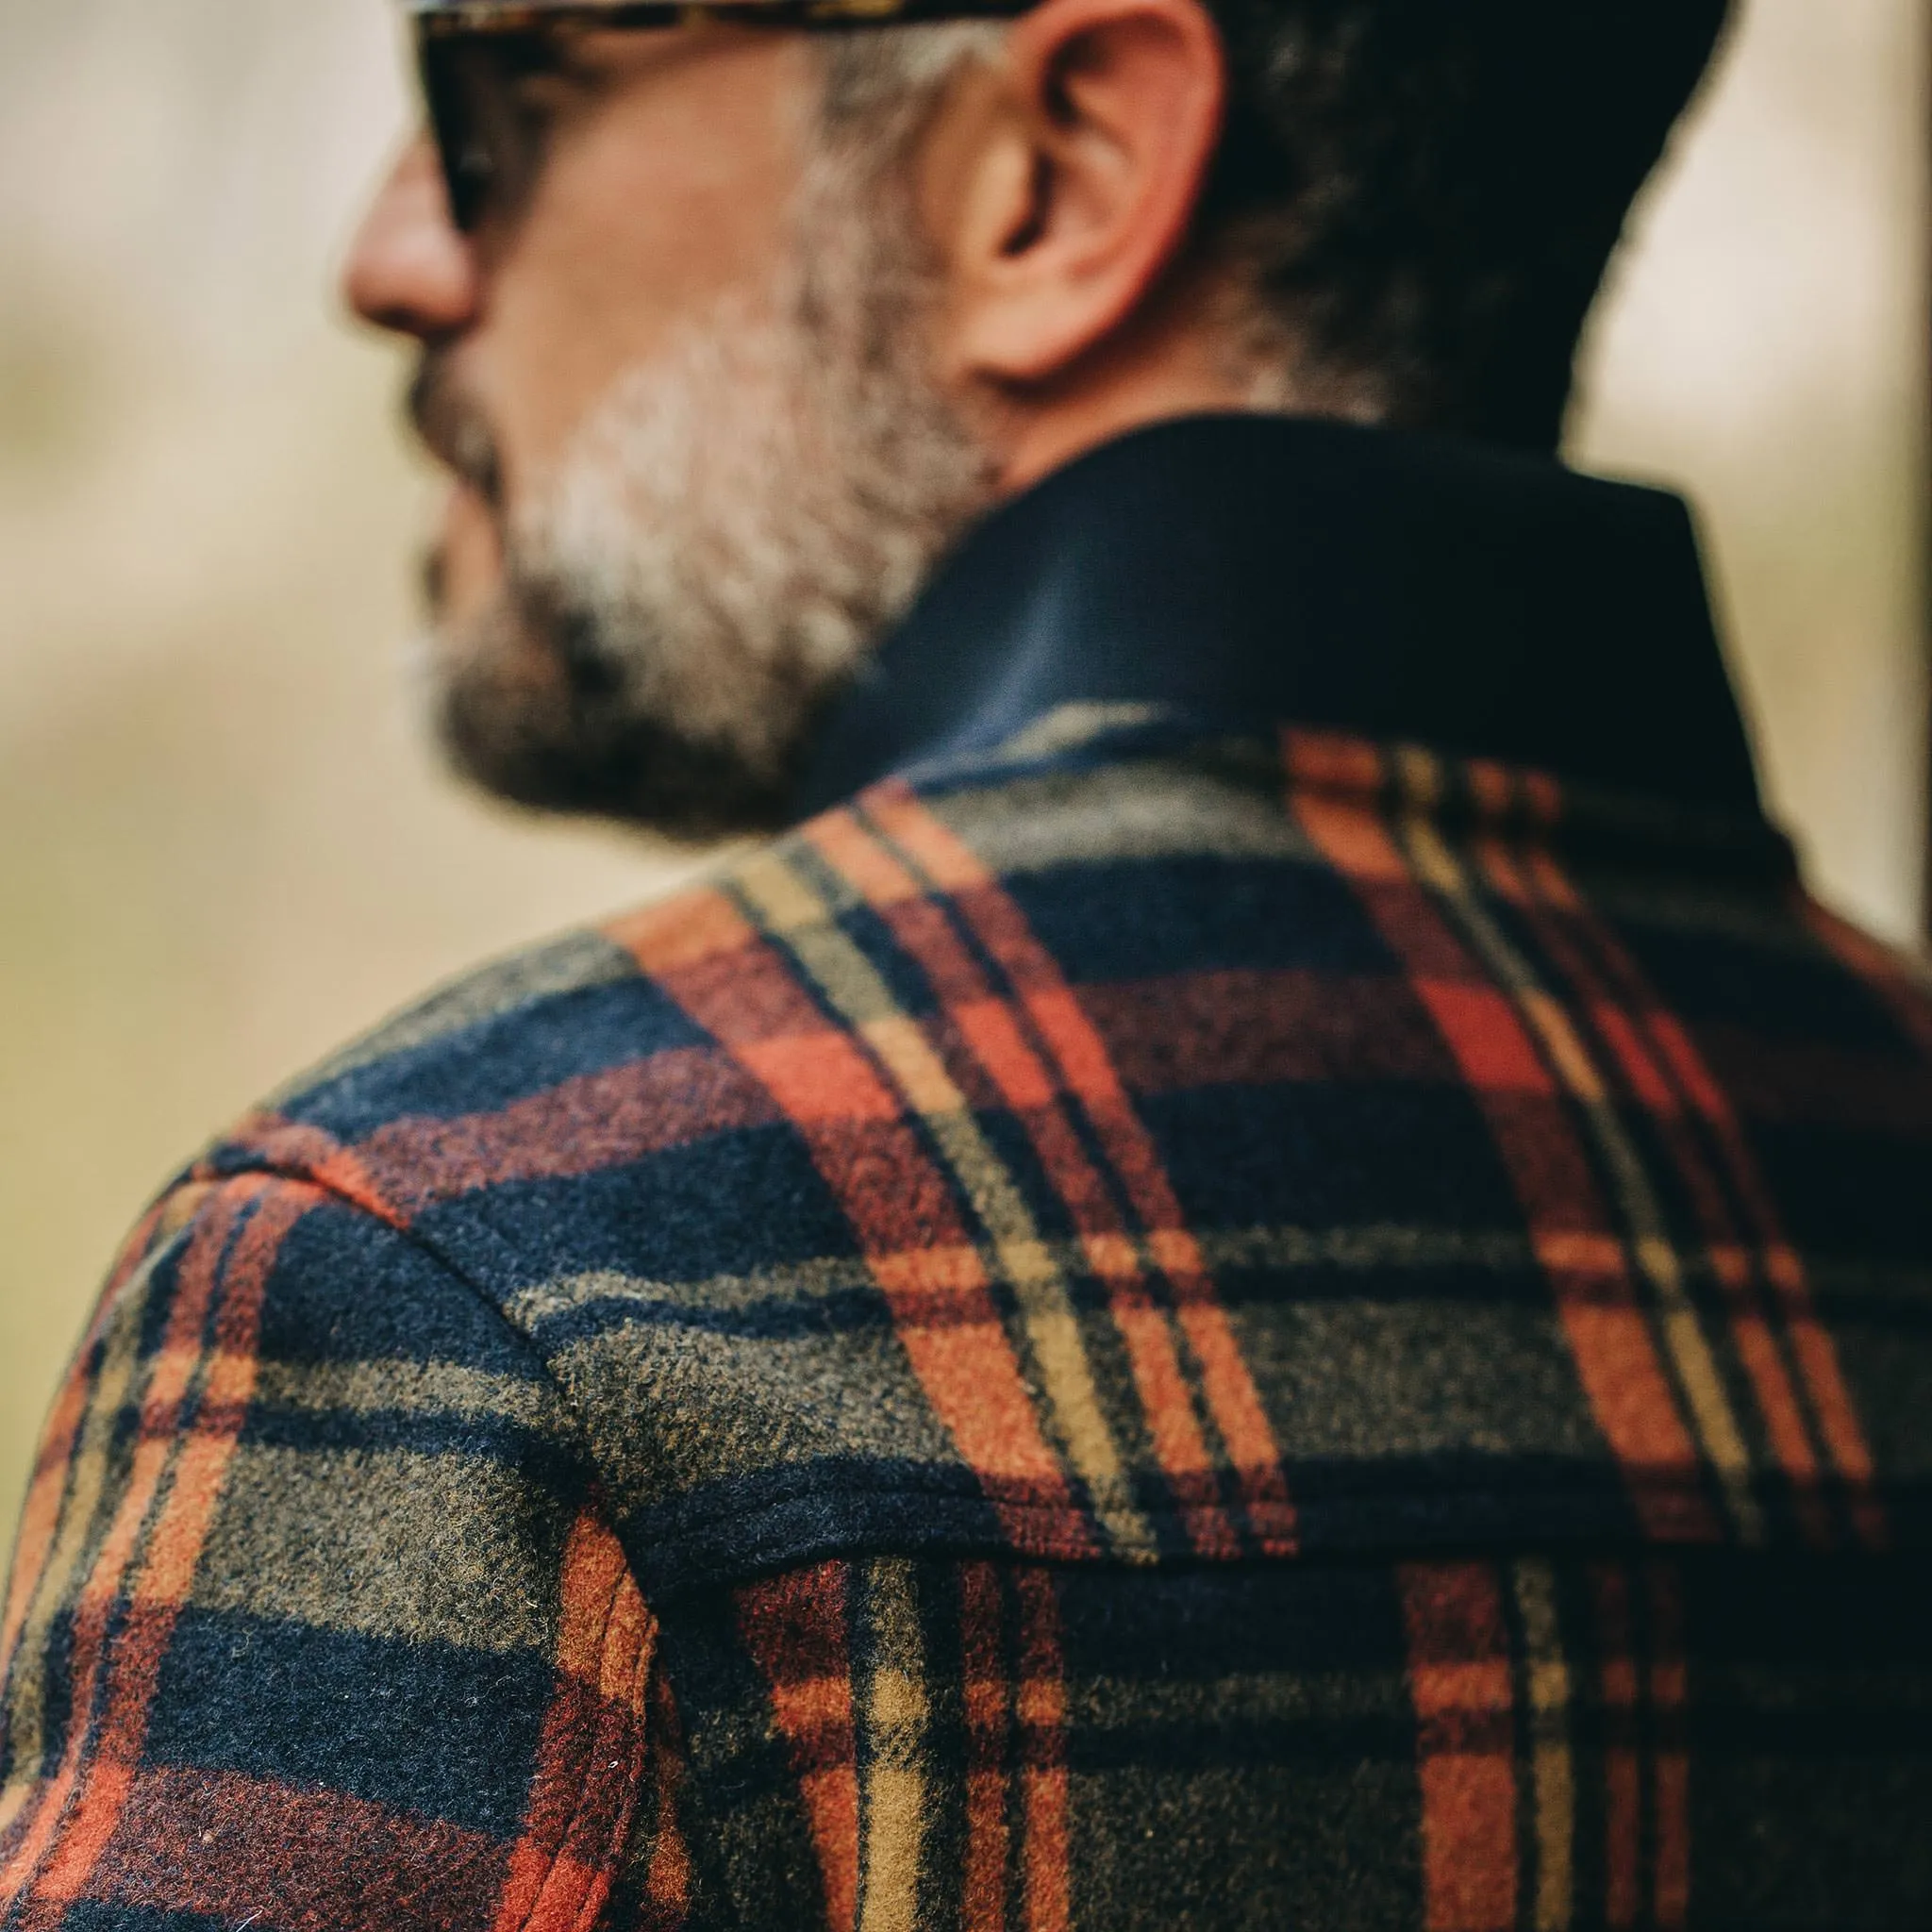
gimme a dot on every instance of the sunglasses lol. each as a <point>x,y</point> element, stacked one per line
<point>476,59</point>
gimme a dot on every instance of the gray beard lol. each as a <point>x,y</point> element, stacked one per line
<point>724,541</point>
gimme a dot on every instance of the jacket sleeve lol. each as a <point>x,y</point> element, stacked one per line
<point>314,1619</point>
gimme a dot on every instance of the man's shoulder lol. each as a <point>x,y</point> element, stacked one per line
<point>427,1049</point>
<point>1368,1128</point>
<point>624,1031</point>
<point>522,1067</point>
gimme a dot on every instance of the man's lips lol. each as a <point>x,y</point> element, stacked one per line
<point>453,431</point>
<point>464,568</point>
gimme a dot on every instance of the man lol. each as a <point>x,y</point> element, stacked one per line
<point>1266,1273</point>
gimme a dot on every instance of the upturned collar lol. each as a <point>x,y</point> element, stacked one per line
<point>1256,570</point>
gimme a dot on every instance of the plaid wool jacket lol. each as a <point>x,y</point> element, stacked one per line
<point>1157,1326</point>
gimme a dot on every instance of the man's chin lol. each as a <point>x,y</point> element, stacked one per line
<point>527,722</point>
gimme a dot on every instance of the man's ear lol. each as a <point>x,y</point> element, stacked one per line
<point>1067,180</point>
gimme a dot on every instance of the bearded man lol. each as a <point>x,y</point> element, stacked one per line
<point>1261,1269</point>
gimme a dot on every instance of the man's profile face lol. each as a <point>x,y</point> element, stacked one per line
<point>695,458</point>
<point>663,157</point>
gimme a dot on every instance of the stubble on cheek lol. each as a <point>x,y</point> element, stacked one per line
<point>653,631</point>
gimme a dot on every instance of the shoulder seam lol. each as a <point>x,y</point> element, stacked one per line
<point>596,1501</point>
<point>298,1175</point>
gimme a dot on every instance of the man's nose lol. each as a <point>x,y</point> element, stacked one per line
<point>410,269</point>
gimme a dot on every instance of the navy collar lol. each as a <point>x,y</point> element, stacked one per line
<point>1256,570</point>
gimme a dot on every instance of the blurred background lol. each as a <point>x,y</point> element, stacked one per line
<point>223,845</point>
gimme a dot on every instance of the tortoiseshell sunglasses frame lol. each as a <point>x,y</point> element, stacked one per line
<point>481,163</point>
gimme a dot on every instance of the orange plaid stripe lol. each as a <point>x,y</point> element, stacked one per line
<point>1460,1680</point>
<point>588,1773</point>
<point>795,1628</point>
<point>736,985</point>
<point>997,1035</point>
<point>1666,1074</point>
<point>1618,1361</point>
<point>189,1424</point>
<point>1079,1057</point>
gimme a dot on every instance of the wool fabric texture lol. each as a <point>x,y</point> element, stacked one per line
<point>1154,1322</point>
<point>1156,1330</point>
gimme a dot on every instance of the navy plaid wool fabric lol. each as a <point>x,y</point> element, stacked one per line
<point>1158,1332</point>
<point>1158,1328</point>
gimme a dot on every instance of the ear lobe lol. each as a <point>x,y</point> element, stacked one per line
<point>1085,194</point>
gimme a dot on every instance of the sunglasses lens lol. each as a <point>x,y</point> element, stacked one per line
<point>485,137</point>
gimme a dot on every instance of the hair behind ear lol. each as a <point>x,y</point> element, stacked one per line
<point>1432,189</point>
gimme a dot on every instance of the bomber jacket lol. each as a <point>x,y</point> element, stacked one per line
<point>1269,1273</point>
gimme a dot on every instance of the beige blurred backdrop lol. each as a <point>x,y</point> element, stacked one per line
<point>223,844</point>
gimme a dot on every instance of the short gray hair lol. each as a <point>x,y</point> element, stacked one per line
<point>1415,200</point>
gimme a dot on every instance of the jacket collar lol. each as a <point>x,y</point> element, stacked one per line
<point>1254,570</point>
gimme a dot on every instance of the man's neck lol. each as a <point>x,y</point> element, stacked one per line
<point>1166,363</point>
